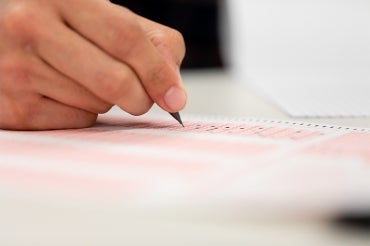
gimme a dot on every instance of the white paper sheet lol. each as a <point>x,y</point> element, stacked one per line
<point>310,57</point>
<point>319,98</point>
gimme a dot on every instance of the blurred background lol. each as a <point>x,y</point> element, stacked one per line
<point>197,20</point>
<point>290,51</point>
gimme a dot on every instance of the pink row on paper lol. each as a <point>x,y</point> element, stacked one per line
<point>273,132</point>
<point>353,144</point>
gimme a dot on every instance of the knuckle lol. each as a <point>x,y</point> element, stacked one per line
<point>176,37</point>
<point>130,34</point>
<point>167,37</point>
<point>177,41</point>
<point>171,42</point>
<point>19,20</point>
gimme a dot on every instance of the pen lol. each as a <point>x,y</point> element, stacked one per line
<point>177,117</point>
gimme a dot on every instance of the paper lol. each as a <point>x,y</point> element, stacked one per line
<point>310,57</point>
<point>247,164</point>
<point>317,97</point>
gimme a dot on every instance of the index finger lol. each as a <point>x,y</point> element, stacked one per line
<point>118,32</point>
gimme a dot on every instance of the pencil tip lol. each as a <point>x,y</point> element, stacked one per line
<point>177,117</point>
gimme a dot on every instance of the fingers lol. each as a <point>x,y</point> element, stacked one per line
<point>118,32</point>
<point>169,42</point>
<point>70,93</point>
<point>52,115</point>
<point>104,76</point>
<point>101,56</point>
<point>35,112</point>
<point>24,77</point>
<point>27,73</point>
<point>49,83</point>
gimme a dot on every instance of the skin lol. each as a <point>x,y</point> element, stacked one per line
<point>63,62</point>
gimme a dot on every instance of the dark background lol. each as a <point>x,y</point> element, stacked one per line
<point>197,20</point>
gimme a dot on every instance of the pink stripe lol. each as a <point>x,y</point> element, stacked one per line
<point>351,144</point>
<point>89,156</point>
<point>168,142</point>
<point>63,184</point>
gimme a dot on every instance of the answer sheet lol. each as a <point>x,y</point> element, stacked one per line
<point>212,162</point>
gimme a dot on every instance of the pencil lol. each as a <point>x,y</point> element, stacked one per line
<point>177,117</point>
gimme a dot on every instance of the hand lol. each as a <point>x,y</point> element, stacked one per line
<point>64,62</point>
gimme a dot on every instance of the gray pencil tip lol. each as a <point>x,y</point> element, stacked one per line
<point>177,117</point>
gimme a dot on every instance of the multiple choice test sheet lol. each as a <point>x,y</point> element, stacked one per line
<point>213,162</point>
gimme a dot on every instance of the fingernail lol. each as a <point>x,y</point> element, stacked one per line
<point>175,98</point>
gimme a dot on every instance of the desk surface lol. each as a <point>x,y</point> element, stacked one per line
<point>35,221</point>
